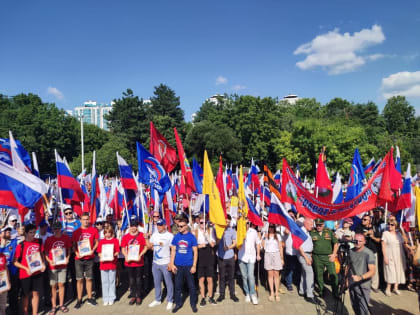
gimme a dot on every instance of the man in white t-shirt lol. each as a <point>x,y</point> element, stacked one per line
<point>161,242</point>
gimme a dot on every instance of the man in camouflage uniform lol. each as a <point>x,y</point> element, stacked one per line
<point>324,254</point>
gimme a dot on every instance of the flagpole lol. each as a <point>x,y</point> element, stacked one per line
<point>386,212</point>
<point>59,194</point>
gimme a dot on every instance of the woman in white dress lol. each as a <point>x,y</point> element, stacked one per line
<point>273,260</point>
<point>394,259</point>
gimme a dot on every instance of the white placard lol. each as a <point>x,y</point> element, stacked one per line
<point>84,247</point>
<point>133,252</point>
<point>107,253</point>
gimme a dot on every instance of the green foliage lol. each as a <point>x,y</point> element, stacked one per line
<point>399,115</point>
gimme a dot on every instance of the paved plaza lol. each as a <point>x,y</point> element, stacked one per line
<point>291,303</point>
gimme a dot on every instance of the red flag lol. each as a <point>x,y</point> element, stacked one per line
<point>185,165</point>
<point>385,192</point>
<point>162,150</point>
<point>220,185</point>
<point>322,182</point>
<point>394,175</point>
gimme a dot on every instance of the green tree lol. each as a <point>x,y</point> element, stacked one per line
<point>399,115</point>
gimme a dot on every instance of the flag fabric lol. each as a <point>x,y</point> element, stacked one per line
<point>162,150</point>
<point>394,174</point>
<point>17,156</point>
<point>253,215</point>
<point>19,189</point>
<point>337,190</point>
<point>126,174</point>
<point>398,160</point>
<point>417,194</point>
<point>253,181</point>
<point>377,165</point>
<point>323,186</point>
<point>66,181</point>
<point>370,166</point>
<point>151,172</point>
<point>404,200</point>
<point>94,205</point>
<point>35,169</point>
<point>220,183</point>
<point>6,153</point>
<point>185,165</point>
<point>197,173</point>
<point>278,215</point>
<point>242,211</point>
<point>216,214</point>
<point>270,183</point>
<point>277,178</point>
<point>356,177</point>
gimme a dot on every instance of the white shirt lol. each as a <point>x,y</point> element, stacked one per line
<point>248,252</point>
<point>201,239</point>
<point>161,247</point>
<point>288,244</point>
<point>271,245</point>
<point>307,246</point>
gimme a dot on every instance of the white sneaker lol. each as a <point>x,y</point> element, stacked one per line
<point>169,306</point>
<point>247,299</point>
<point>111,303</point>
<point>254,299</point>
<point>155,303</point>
<point>105,303</point>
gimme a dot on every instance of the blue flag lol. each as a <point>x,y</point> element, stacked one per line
<point>356,177</point>
<point>197,173</point>
<point>151,172</point>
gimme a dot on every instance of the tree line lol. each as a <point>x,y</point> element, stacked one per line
<point>238,127</point>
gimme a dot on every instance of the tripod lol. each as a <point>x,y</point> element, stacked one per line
<point>345,276</point>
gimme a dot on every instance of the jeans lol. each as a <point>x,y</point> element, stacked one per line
<point>159,272</point>
<point>182,273</point>
<point>108,285</point>
<point>135,277</point>
<point>359,298</point>
<point>291,264</point>
<point>247,271</point>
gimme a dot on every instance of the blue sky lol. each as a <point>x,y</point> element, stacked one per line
<point>72,51</point>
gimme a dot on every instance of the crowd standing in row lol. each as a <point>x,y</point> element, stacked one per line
<point>46,258</point>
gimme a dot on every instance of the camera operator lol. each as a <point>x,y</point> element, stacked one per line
<point>373,242</point>
<point>362,268</point>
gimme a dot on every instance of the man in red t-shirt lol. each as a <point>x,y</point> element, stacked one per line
<point>134,244</point>
<point>57,249</point>
<point>85,242</point>
<point>30,261</point>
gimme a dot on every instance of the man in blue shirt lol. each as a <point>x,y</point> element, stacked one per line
<point>183,263</point>
<point>8,248</point>
<point>226,261</point>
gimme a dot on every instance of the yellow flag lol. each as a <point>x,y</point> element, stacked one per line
<point>417,193</point>
<point>216,214</point>
<point>242,212</point>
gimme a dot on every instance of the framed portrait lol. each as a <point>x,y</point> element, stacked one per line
<point>34,262</point>
<point>4,281</point>
<point>84,247</point>
<point>59,256</point>
<point>107,253</point>
<point>133,252</point>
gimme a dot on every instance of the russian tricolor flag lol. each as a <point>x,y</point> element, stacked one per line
<point>66,180</point>
<point>404,200</point>
<point>19,189</point>
<point>94,192</point>
<point>277,178</point>
<point>253,215</point>
<point>126,173</point>
<point>370,166</point>
<point>278,215</point>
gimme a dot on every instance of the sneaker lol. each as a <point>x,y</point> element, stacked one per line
<point>155,303</point>
<point>220,298</point>
<point>176,308</point>
<point>254,299</point>
<point>388,293</point>
<point>169,306</point>
<point>234,298</point>
<point>105,304</point>
<point>203,302</point>
<point>289,288</point>
<point>132,301</point>
<point>212,301</point>
<point>194,308</point>
<point>78,304</point>
<point>247,299</point>
<point>92,302</point>
<point>138,301</point>
<point>397,292</point>
<point>111,303</point>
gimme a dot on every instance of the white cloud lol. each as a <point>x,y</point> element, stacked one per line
<point>401,83</point>
<point>221,80</point>
<point>238,87</point>
<point>55,92</point>
<point>339,53</point>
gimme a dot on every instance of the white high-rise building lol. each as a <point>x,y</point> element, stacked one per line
<point>291,98</point>
<point>93,113</point>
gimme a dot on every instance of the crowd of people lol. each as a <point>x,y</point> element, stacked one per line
<point>40,263</point>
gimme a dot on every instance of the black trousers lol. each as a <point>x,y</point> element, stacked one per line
<point>227,274</point>
<point>135,277</point>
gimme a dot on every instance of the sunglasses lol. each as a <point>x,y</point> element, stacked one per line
<point>156,216</point>
<point>99,223</point>
<point>365,220</point>
<point>181,226</point>
<point>68,213</point>
<point>201,222</point>
<point>391,224</point>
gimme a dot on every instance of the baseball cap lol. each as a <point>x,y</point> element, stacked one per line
<point>319,221</point>
<point>43,223</point>
<point>348,220</point>
<point>12,217</point>
<point>57,225</point>
<point>6,228</point>
<point>134,221</point>
<point>161,222</point>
